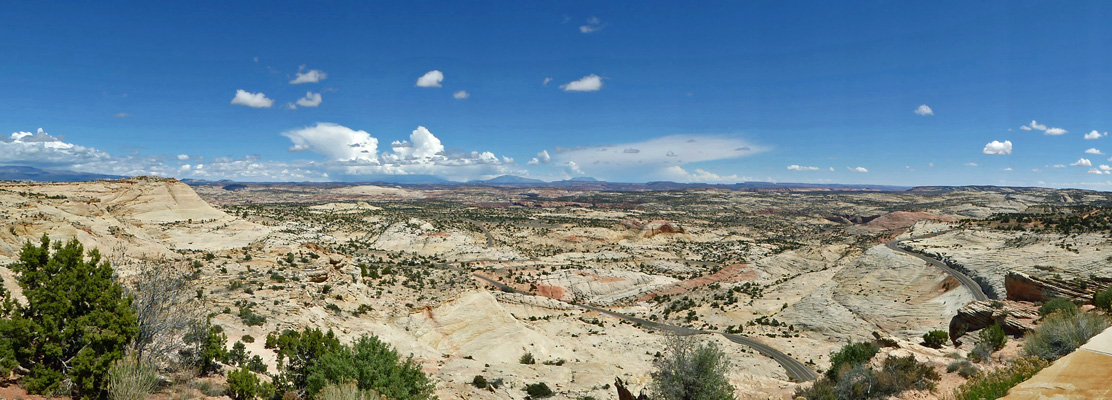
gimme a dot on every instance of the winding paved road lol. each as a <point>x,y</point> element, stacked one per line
<point>796,370</point>
<point>965,280</point>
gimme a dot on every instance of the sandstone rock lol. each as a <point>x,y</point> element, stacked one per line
<point>1035,284</point>
<point>1015,318</point>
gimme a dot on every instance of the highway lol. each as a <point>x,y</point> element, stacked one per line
<point>796,370</point>
<point>965,280</point>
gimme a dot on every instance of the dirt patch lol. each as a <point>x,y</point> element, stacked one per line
<point>552,292</point>
<point>903,219</point>
<point>729,274</point>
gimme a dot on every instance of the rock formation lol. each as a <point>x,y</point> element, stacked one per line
<point>1015,318</point>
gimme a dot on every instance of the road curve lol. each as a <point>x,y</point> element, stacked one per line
<point>796,370</point>
<point>965,280</point>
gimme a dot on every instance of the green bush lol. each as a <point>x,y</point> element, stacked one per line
<point>1103,299</point>
<point>1057,304</point>
<point>76,323</point>
<point>527,358</point>
<point>1062,333</point>
<point>858,381</point>
<point>372,365</point>
<point>479,381</point>
<point>245,385</point>
<point>993,336</point>
<point>204,347</point>
<point>299,353</point>
<point>995,384</point>
<point>935,339</point>
<point>238,355</point>
<point>849,355</point>
<point>538,390</point>
<point>130,379</point>
<point>690,370</point>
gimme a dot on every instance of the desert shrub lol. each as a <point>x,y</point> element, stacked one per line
<point>256,364</point>
<point>347,391</point>
<point>76,323</point>
<point>935,339</point>
<point>858,381</point>
<point>299,353</point>
<point>479,381</point>
<point>237,356</point>
<point>1057,304</point>
<point>245,385</point>
<point>994,336</point>
<point>1103,299</point>
<point>995,384</point>
<point>849,355</point>
<point>372,365</point>
<point>538,390</point>
<point>204,346</point>
<point>161,296</point>
<point>130,379</point>
<point>527,358</point>
<point>1062,333</point>
<point>898,374</point>
<point>691,370</point>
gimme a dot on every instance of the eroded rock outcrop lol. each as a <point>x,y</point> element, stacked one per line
<point>1039,284</point>
<point>1016,318</point>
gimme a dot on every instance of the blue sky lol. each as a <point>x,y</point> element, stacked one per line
<point>622,91</point>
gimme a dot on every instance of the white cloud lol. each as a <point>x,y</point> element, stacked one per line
<point>589,83</point>
<point>573,169</point>
<point>544,156</point>
<point>1095,135</point>
<point>336,142</point>
<point>653,153</point>
<point>42,149</point>
<point>460,95</point>
<point>430,79</point>
<point>183,157</point>
<point>971,164</point>
<point>1009,169</point>
<point>677,173</point>
<point>310,100</point>
<point>310,76</point>
<point>1102,170</point>
<point>794,167</point>
<point>858,169</point>
<point>1033,125</point>
<point>594,24</point>
<point>1056,131</point>
<point>1095,151</point>
<point>546,81</point>
<point>254,100</point>
<point>1082,162</point>
<point>924,110</point>
<point>1056,166</point>
<point>998,148</point>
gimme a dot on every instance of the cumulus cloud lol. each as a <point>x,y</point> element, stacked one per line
<point>677,173</point>
<point>183,157</point>
<point>1095,135</point>
<point>310,76</point>
<point>254,100</point>
<point>460,95</point>
<point>1035,126</point>
<point>1095,151</point>
<point>431,79</point>
<point>573,169</point>
<point>998,148</point>
<point>794,167</point>
<point>44,150</point>
<point>1101,170</point>
<point>589,83</point>
<point>858,169</point>
<point>1082,162</point>
<point>335,142</point>
<point>924,110</point>
<point>355,152</point>
<point>310,100</point>
<point>542,158</point>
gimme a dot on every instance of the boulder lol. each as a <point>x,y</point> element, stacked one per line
<point>1014,317</point>
<point>1042,283</point>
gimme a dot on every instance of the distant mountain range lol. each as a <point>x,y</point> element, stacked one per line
<point>24,173</point>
